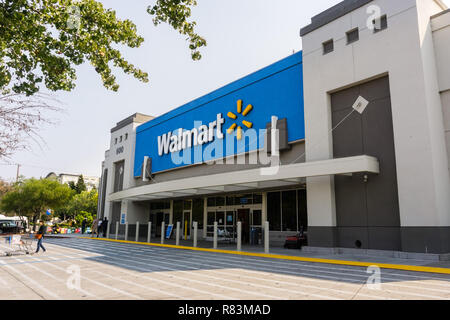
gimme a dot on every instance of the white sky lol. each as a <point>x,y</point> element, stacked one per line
<point>243,36</point>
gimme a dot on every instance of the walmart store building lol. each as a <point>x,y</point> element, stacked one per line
<point>363,136</point>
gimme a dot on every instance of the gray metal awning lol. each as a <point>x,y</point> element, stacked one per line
<point>284,175</point>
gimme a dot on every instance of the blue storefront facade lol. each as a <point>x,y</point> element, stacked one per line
<point>194,140</point>
<point>276,90</point>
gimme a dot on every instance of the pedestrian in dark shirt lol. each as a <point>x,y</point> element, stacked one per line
<point>83,226</point>
<point>40,236</point>
<point>99,227</point>
<point>105,227</point>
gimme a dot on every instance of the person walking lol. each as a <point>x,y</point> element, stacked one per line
<point>40,236</point>
<point>83,226</point>
<point>94,227</point>
<point>105,226</point>
<point>99,227</point>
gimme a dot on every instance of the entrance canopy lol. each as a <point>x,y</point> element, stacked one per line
<point>286,175</point>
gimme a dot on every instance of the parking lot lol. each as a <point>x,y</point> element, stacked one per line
<point>74,268</point>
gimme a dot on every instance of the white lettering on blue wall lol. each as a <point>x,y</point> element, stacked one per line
<point>183,139</point>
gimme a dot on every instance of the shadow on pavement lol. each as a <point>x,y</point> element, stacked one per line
<point>142,258</point>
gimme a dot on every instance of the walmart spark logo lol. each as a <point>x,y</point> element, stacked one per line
<point>232,116</point>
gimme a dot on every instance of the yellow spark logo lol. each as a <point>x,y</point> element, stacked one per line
<point>232,116</point>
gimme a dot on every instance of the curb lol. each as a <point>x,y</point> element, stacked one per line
<point>291,258</point>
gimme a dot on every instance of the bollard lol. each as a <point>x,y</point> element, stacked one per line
<point>108,227</point>
<point>126,231</point>
<point>117,230</point>
<point>266,237</point>
<point>163,229</point>
<point>137,231</point>
<point>177,241</point>
<point>215,234</point>
<point>149,232</point>
<point>239,236</point>
<point>195,233</point>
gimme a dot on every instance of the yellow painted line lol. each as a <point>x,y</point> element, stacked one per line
<point>292,258</point>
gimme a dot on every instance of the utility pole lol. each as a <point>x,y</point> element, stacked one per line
<point>18,170</point>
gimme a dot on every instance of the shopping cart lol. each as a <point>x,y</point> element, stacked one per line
<point>16,244</point>
<point>224,235</point>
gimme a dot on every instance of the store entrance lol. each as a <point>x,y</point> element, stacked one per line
<point>156,219</point>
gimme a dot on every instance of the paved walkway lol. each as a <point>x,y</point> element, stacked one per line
<point>279,250</point>
<point>109,270</point>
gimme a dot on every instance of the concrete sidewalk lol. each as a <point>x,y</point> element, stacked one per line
<point>354,256</point>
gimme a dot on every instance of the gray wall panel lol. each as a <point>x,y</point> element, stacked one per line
<point>426,239</point>
<point>322,237</point>
<point>366,210</point>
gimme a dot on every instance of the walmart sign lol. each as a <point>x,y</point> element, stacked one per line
<point>228,121</point>
<point>169,142</point>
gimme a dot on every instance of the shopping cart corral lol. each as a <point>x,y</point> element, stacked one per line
<point>16,244</point>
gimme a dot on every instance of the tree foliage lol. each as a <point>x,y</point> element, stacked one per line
<point>41,41</point>
<point>80,186</point>
<point>176,13</point>
<point>84,215</point>
<point>33,197</point>
<point>84,201</point>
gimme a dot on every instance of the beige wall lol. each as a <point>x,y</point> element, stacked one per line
<point>405,52</point>
<point>441,34</point>
<point>440,26</point>
<point>445,97</point>
<point>134,212</point>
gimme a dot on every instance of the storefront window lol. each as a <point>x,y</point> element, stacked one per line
<point>229,201</point>
<point>211,202</point>
<point>274,210</point>
<point>177,211</point>
<point>244,199</point>
<point>257,216</point>
<point>302,210</point>
<point>220,201</point>
<point>211,218</point>
<point>160,205</point>
<point>187,204</point>
<point>220,218</point>
<point>230,218</point>
<point>197,212</point>
<point>156,206</point>
<point>257,198</point>
<point>289,217</point>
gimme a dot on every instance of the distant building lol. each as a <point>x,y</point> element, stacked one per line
<point>90,182</point>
